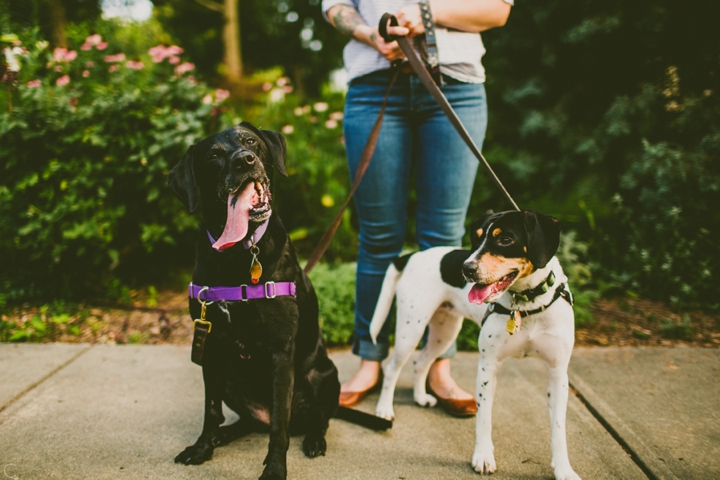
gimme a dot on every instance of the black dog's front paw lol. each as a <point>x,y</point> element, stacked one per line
<point>195,454</point>
<point>314,445</point>
<point>273,471</point>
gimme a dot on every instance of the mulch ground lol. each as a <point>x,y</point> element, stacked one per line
<point>617,322</point>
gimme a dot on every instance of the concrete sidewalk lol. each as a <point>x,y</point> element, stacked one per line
<point>81,411</point>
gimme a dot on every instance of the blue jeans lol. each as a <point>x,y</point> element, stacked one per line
<point>416,138</point>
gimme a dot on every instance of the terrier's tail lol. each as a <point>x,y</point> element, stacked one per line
<point>385,300</point>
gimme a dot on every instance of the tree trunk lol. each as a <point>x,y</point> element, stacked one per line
<point>57,21</point>
<point>231,39</point>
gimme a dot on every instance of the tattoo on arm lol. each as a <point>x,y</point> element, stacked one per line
<point>347,19</point>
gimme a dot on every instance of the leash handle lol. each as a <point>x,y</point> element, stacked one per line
<point>382,28</point>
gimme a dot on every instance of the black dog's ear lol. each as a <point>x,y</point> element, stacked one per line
<point>543,233</point>
<point>181,181</point>
<point>475,226</point>
<point>278,150</point>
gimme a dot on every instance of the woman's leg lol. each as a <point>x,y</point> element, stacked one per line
<point>381,203</point>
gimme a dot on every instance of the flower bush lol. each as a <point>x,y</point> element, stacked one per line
<point>87,136</point>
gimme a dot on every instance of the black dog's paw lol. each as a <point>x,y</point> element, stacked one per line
<point>195,454</point>
<point>273,471</point>
<point>314,445</point>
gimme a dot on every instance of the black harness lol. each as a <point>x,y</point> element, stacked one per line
<point>530,295</point>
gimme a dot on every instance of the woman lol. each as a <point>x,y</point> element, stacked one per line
<point>416,138</point>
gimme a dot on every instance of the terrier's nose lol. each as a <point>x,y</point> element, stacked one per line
<point>243,159</point>
<point>469,270</point>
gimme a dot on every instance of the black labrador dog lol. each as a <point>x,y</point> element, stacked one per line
<point>264,357</point>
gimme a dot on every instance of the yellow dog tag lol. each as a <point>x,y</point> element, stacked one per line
<point>514,322</point>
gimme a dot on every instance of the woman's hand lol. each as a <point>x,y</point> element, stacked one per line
<point>348,21</point>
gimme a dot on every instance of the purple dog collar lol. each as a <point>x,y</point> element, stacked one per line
<point>248,241</point>
<point>242,293</point>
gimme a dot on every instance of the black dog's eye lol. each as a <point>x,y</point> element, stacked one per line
<point>250,141</point>
<point>505,241</point>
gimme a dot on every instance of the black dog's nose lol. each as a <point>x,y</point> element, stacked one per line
<point>469,270</point>
<point>242,159</point>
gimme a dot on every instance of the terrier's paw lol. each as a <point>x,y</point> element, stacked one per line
<point>566,473</point>
<point>385,412</point>
<point>483,461</point>
<point>425,400</point>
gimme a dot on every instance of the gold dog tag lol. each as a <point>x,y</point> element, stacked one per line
<point>514,322</point>
<point>255,267</point>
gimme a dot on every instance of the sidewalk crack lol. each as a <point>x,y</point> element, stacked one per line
<point>43,379</point>
<point>614,434</point>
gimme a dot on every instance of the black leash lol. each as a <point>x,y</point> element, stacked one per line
<point>419,68</point>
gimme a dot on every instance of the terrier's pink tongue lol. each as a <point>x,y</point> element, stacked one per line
<point>478,293</point>
<point>238,216</point>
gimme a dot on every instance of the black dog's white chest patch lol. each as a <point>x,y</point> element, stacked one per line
<point>451,268</point>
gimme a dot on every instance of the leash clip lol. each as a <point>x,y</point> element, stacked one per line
<point>203,310</point>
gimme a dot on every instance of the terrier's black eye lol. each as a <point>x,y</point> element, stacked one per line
<point>505,241</point>
<point>250,141</point>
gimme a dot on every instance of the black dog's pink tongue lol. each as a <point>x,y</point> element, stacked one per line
<point>478,293</point>
<point>238,216</point>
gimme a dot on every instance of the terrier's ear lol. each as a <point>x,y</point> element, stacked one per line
<point>543,233</point>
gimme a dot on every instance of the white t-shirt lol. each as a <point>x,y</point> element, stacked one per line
<point>460,52</point>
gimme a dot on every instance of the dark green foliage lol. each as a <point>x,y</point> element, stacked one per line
<point>606,114</point>
<point>82,191</point>
<point>287,33</point>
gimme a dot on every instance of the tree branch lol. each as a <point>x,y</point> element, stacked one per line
<point>218,7</point>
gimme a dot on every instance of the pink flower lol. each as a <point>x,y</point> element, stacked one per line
<point>86,73</point>
<point>112,68</point>
<point>58,68</point>
<point>115,58</point>
<point>267,86</point>
<point>160,53</point>
<point>85,47</point>
<point>288,129</point>
<point>331,124</point>
<point>89,64</point>
<point>287,88</point>
<point>93,39</point>
<point>34,83</point>
<point>207,99</point>
<point>73,101</point>
<point>101,46</point>
<point>184,67</point>
<point>59,54</point>
<point>191,79</point>
<point>64,80</point>
<point>221,95</point>
<point>135,65</point>
<point>64,55</point>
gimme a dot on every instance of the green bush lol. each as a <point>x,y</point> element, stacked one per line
<point>335,288</point>
<point>87,136</point>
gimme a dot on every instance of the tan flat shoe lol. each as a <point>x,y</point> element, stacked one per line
<point>453,406</point>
